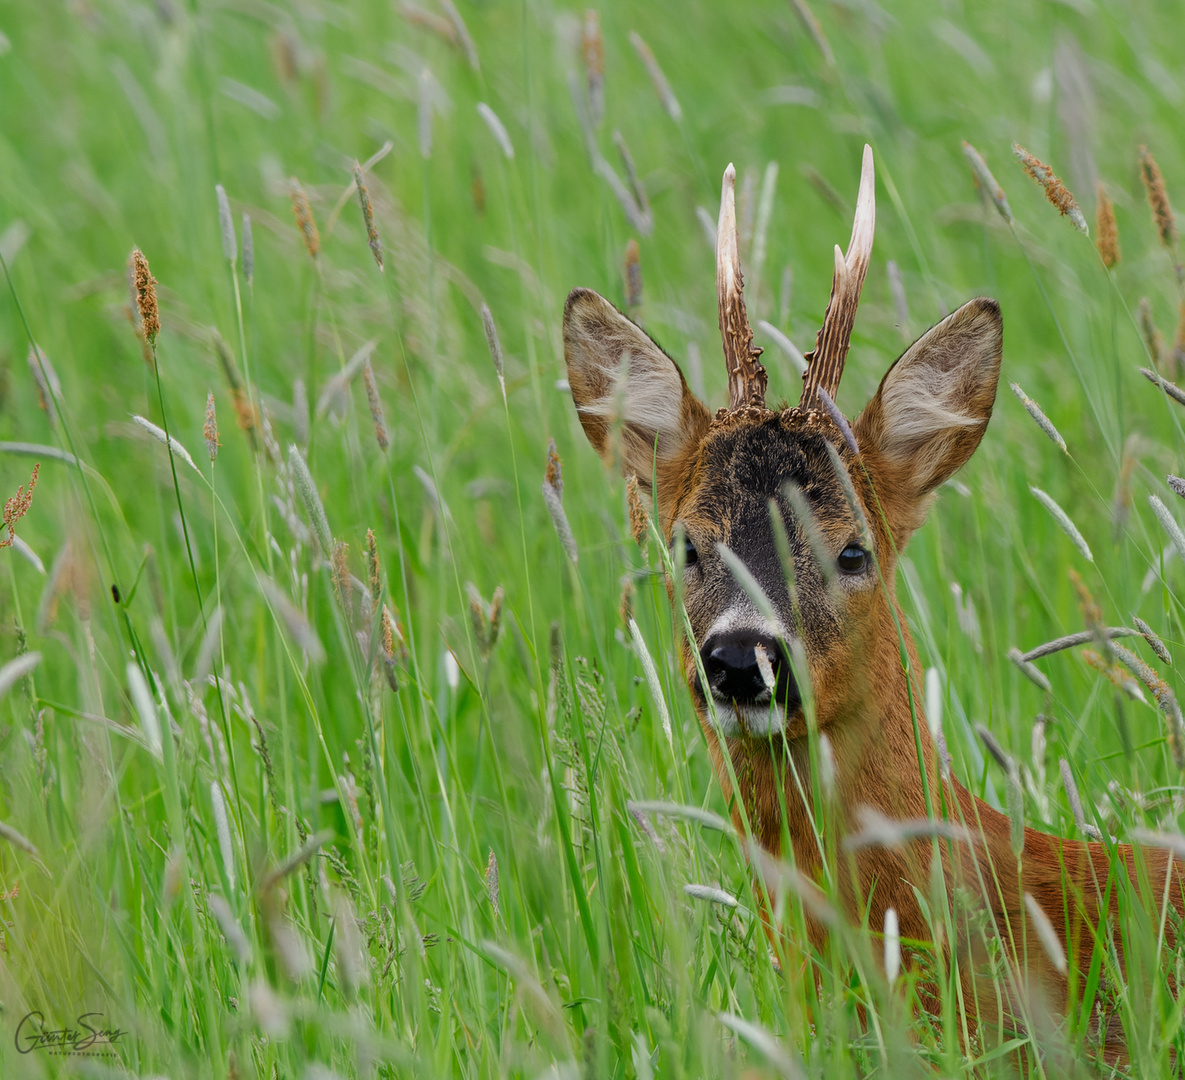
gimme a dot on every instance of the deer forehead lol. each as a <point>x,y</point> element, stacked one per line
<point>742,464</point>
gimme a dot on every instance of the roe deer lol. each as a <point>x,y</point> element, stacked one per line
<point>848,499</point>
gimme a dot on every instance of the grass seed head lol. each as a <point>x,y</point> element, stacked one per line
<point>341,573</point>
<point>659,80</point>
<point>307,490</point>
<point>633,276</point>
<point>1153,340</point>
<point>303,212</point>
<point>1107,238</point>
<point>145,286</point>
<point>1055,191</point>
<point>625,603</point>
<point>17,507</point>
<point>388,658</point>
<point>592,47</point>
<point>461,31</point>
<point>372,234</point>
<point>429,20</point>
<point>222,827</point>
<point>374,570</point>
<point>1092,614</point>
<point>497,129</point>
<point>492,883</point>
<point>376,407</point>
<point>424,113</point>
<point>553,477</point>
<point>1158,198</point>
<point>840,421</point>
<point>1063,519</point>
<point>226,224</point>
<point>1072,794</point>
<point>1114,674</point>
<point>210,428</point>
<point>553,491</point>
<point>46,380</point>
<point>248,250</point>
<point>1043,421</point>
<point>1165,699</point>
<point>300,412</point>
<point>892,946</point>
<point>1154,642</point>
<point>1121,502</point>
<point>639,518</point>
<point>1046,934</point>
<point>494,345</point>
<point>986,182</point>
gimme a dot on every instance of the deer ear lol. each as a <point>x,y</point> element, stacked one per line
<point>931,410</point>
<point>622,382</point>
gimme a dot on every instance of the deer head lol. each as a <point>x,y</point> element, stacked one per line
<point>727,483</point>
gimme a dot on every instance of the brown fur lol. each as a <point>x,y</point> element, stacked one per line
<point>718,478</point>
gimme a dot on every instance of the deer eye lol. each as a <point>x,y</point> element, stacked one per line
<point>690,555</point>
<point>852,559</point>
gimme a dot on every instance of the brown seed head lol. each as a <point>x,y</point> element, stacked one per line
<point>496,602</point>
<point>1158,198</point>
<point>244,413</point>
<point>304,217</point>
<point>372,234</point>
<point>18,506</point>
<point>388,635</point>
<point>633,275</point>
<point>625,606</point>
<point>639,519</point>
<point>429,20</point>
<point>1092,615</point>
<point>593,49</point>
<point>1055,191</point>
<point>210,428</point>
<point>1111,671</point>
<point>1107,240</point>
<point>145,286</point>
<point>553,477</point>
<point>372,564</point>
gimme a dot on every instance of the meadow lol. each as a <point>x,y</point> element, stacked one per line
<point>327,755</point>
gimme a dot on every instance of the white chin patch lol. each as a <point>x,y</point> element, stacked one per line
<point>759,721</point>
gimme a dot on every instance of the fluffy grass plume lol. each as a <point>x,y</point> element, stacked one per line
<point>1106,231</point>
<point>1055,191</point>
<point>1158,198</point>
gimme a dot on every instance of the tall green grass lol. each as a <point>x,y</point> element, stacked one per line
<point>233,839</point>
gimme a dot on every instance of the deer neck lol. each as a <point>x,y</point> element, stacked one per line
<point>874,743</point>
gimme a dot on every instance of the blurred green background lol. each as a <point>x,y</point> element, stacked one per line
<point>469,893</point>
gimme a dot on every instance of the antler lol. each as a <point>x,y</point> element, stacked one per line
<point>746,377</point>
<point>825,361</point>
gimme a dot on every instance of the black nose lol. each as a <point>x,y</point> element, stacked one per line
<point>734,675</point>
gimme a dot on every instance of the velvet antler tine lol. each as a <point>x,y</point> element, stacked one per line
<point>746,377</point>
<point>825,362</point>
